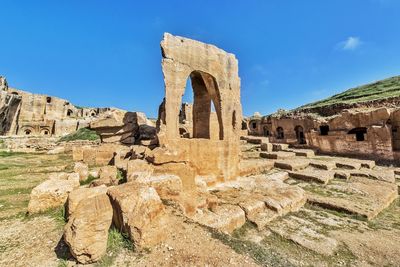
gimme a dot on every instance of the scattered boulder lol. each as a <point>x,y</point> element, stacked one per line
<point>86,232</point>
<point>79,194</point>
<point>225,217</point>
<point>292,165</point>
<point>138,169</point>
<point>139,212</point>
<point>167,186</point>
<point>51,193</point>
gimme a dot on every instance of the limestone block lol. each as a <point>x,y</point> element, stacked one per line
<point>86,232</point>
<point>51,193</point>
<point>138,169</point>
<point>167,186</point>
<point>107,176</point>
<point>75,197</point>
<point>139,212</point>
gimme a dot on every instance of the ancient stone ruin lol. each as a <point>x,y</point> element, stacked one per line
<point>204,162</point>
<point>369,132</point>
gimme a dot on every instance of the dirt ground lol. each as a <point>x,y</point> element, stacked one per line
<point>311,237</point>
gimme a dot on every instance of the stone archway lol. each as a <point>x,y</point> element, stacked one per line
<point>205,94</point>
<point>300,135</point>
<point>215,81</point>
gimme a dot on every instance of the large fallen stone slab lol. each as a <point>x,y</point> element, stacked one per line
<point>359,196</point>
<point>108,175</point>
<point>76,196</point>
<point>278,155</point>
<point>138,169</point>
<point>263,198</point>
<point>51,193</point>
<point>292,165</point>
<point>254,167</point>
<point>313,175</point>
<point>348,164</point>
<point>139,212</point>
<point>168,186</point>
<point>306,234</point>
<point>86,232</point>
<point>382,175</point>
<point>250,155</point>
<point>308,153</point>
<point>225,218</point>
<point>280,147</point>
<point>256,140</point>
<point>323,164</point>
<point>369,164</point>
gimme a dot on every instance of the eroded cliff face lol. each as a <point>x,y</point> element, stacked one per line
<point>9,107</point>
<point>30,115</point>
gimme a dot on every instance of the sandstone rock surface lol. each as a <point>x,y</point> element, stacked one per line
<point>51,193</point>
<point>82,169</point>
<point>139,212</point>
<point>86,232</point>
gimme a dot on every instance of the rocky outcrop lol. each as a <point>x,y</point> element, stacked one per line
<point>86,232</point>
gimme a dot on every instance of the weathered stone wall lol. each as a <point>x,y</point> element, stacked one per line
<point>369,133</point>
<point>377,143</point>
<point>214,77</point>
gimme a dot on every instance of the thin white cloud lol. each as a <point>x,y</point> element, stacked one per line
<point>351,43</point>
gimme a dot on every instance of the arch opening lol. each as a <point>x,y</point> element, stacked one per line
<point>300,135</point>
<point>206,109</point>
<point>280,133</point>
<point>266,131</point>
<point>69,112</point>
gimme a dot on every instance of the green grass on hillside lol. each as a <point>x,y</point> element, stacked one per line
<point>81,134</point>
<point>382,89</point>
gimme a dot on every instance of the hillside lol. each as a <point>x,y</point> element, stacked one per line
<point>365,94</point>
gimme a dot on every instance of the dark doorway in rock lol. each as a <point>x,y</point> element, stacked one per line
<point>266,131</point>
<point>300,135</point>
<point>279,133</point>
<point>359,132</point>
<point>324,129</point>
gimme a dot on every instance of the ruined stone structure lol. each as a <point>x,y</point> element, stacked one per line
<point>215,81</point>
<point>369,133</point>
<point>197,160</point>
<point>26,114</point>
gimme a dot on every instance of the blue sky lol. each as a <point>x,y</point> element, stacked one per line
<point>106,53</point>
